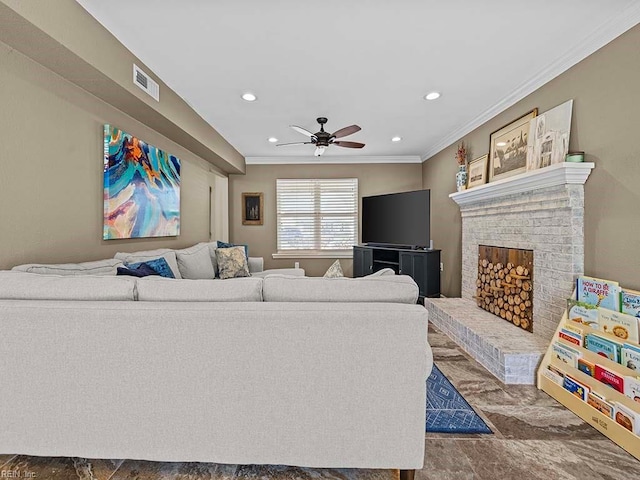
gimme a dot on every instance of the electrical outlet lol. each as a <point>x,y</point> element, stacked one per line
<point>297,265</point>
<point>441,267</point>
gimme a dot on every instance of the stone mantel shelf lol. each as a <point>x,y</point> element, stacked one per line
<point>558,174</point>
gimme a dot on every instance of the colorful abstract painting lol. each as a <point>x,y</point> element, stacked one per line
<point>141,188</point>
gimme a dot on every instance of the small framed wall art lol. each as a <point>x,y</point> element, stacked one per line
<point>508,148</point>
<point>252,208</point>
<point>478,171</point>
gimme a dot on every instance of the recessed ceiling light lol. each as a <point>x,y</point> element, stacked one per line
<point>431,96</point>
<point>249,97</point>
<point>273,139</point>
<point>396,139</point>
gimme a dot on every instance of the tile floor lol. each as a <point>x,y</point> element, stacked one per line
<point>535,438</point>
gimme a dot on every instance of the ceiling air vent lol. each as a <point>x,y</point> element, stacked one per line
<point>146,83</point>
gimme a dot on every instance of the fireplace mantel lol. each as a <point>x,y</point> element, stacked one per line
<point>558,174</point>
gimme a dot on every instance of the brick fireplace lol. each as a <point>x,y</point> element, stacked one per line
<point>542,212</point>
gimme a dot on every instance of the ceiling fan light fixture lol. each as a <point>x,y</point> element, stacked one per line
<point>249,97</point>
<point>319,151</point>
<point>396,139</point>
<point>432,96</point>
<point>273,139</point>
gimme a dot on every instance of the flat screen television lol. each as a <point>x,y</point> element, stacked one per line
<point>397,219</point>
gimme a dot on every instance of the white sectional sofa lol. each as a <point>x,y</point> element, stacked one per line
<point>275,370</point>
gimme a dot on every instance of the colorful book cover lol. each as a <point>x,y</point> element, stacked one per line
<point>580,390</point>
<point>570,337</point>
<point>585,366</point>
<point>632,388</point>
<point>631,356</point>
<point>626,417</point>
<point>620,325</point>
<point>598,292</point>
<point>612,379</point>
<point>630,302</point>
<point>580,312</point>
<point>553,376</point>
<point>566,354</point>
<point>604,347</point>
<point>600,404</point>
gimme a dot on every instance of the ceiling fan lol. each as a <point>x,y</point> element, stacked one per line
<point>323,139</point>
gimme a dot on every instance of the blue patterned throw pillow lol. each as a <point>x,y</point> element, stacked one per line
<point>160,265</point>
<point>143,270</point>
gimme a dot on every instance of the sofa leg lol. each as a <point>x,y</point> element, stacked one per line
<point>407,474</point>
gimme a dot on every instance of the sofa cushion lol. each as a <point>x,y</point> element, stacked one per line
<point>386,288</point>
<point>144,256</point>
<point>100,267</point>
<point>232,262</point>
<point>291,272</point>
<point>382,272</point>
<point>196,262</point>
<point>156,289</point>
<point>29,286</point>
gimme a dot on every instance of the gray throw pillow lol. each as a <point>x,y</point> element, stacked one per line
<point>232,262</point>
<point>195,262</point>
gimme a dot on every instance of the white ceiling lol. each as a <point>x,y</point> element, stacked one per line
<point>368,62</point>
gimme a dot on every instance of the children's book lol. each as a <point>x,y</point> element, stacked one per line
<point>610,378</point>
<point>626,417</point>
<point>571,337</point>
<point>600,404</point>
<point>553,376</point>
<point>585,366</point>
<point>580,312</point>
<point>604,347</point>
<point>621,325</point>
<point>630,302</point>
<point>598,292</point>
<point>566,354</point>
<point>631,356</point>
<point>632,388</point>
<point>577,388</point>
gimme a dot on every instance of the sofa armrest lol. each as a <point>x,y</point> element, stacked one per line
<point>256,264</point>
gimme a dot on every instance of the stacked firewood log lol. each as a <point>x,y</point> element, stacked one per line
<point>506,291</point>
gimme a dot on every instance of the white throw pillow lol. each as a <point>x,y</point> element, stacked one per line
<point>145,256</point>
<point>195,262</point>
<point>334,271</point>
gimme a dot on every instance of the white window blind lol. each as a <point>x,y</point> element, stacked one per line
<point>317,214</point>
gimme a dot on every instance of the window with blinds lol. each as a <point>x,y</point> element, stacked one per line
<point>317,214</point>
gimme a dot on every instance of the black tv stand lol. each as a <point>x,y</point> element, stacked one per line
<point>420,264</point>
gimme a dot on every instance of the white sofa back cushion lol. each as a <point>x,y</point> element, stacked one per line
<point>196,262</point>
<point>100,267</point>
<point>145,256</point>
<point>157,289</point>
<point>385,289</point>
<point>29,286</point>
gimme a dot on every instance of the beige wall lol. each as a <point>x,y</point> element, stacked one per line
<point>605,125</point>
<point>373,179</point>
<point>51,170</point>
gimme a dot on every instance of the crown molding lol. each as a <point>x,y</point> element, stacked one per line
<point>311,160</point>
<point>608,31</point>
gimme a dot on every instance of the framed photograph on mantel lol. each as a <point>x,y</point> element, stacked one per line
<point>478,171</point>
<point>252,208</point>
<point>508,148</point>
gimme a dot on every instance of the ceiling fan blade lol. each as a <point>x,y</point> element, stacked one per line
<point>293,143</point>
<point>343,132</point>
<point>303,131</point>
<point>319,151</point>
<point>349,144</point>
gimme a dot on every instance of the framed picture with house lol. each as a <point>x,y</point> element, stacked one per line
<point>252,208</point>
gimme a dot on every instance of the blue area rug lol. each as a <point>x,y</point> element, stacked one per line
<point>447,410</point>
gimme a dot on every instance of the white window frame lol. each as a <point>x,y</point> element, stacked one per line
<point>315,185</point>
